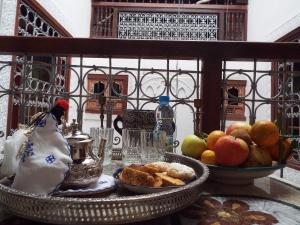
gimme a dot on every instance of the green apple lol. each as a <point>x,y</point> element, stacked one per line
<point>193,146</point>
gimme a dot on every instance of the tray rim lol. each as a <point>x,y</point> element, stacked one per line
<point>136,199</point>
<point>140,197</point>
<point>246,169</point>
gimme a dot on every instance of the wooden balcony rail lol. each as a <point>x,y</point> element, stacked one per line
<point>104,47</point>
<point>212,2</point>
<point>211,54</point>
<point>231,22</point>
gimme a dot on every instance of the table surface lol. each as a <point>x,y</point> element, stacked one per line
<point>277,196</point>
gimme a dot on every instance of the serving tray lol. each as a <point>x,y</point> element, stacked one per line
<point>106,210</point>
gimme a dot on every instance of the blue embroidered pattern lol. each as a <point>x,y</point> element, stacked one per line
<point>41,123</point>
<point>28,151</point>
<point>50,159</point>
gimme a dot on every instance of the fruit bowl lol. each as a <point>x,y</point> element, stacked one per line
<point>238,176</point>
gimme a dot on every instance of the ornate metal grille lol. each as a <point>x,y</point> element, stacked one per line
<point>32,24</point>
<point>291,82</point>
<point>39,78</point>
<point>258,99</point>
<point>167,26</point>
<point>145,85</point>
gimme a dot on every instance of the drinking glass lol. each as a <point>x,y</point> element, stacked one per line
<point>131,146</point>
<point>103,136</point>
<point>153,146</point>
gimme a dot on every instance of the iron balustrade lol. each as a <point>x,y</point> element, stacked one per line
<point>215,63</point>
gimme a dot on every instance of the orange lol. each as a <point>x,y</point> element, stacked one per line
<point>274,149</point>
<point>208,157</point>
<point>213,137</point>
<point>265,133</point>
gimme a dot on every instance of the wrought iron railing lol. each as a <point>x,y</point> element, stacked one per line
<point>193,74</point>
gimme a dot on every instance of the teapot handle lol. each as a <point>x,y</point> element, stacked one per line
<point>117,128</point>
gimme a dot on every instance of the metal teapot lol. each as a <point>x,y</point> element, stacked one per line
<point>86,167</point>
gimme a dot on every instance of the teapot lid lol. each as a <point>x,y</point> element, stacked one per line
<point>76,133</point>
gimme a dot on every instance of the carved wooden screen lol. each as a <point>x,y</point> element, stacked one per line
<point>158,21</point>
<point>167,26</point>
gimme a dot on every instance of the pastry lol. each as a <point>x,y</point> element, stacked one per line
<point>136,177</point>
<point>169,181</point>
<point>175,170</point>
<point>160,166</point>
<point>181,171</point>
<point>158,181</point>
<point>146,169</point>
<point>157,174</point>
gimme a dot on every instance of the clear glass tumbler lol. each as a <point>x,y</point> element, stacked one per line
<point>103,135</point>
<point>153,146</point>
<point>131,146</point>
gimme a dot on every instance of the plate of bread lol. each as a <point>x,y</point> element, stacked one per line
<point>154,177</point>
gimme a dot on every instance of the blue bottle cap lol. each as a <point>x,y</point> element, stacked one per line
<point>164,99</point>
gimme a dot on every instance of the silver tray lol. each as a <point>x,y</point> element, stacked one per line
<point>106,210</point>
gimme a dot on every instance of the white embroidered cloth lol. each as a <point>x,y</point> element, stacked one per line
<point>45,161</point>
<point>12,146</point>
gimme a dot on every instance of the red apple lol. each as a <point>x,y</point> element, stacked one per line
<point>231,151</point>
<point>239,125</point>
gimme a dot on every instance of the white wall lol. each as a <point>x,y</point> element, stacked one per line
<point>7,17</point>
<point>1,1</point>
<point>268,20</point>
<point>7,27</point>
<point>73,15</point>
